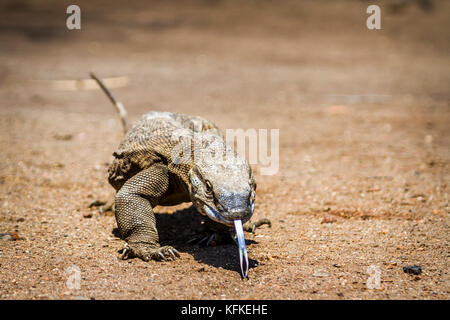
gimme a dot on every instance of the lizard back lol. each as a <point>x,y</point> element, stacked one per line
<point>151,140</point>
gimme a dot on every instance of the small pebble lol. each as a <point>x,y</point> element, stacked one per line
<point>320,274</point>
<point>328,219</point>
<point>87,215</point>
<point>97,203</point>
<point>412,270</point>
<point>12,236</point>
<point>63,137</point>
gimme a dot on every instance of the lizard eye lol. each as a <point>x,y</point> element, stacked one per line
<point>208,188</point>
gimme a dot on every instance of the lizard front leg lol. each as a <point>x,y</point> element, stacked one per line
<point>134,214</point>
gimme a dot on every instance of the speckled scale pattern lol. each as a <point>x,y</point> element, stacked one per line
<point>144,176</point>
<point>151,140</point>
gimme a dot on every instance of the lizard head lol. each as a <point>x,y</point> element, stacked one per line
<point>223,191</point>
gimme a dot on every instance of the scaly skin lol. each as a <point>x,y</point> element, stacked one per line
<point>169,158</point>
<point>149,170</point>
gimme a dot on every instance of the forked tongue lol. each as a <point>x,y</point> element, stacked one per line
<point>243,257</point>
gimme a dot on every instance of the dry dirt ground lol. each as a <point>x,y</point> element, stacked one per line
<point>362,186</point>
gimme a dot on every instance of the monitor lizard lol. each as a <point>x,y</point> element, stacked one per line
<point>168,158</point>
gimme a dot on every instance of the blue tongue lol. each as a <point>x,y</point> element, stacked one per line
<point>243,257</point>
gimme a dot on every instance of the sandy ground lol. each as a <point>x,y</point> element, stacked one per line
<point>364,146</point>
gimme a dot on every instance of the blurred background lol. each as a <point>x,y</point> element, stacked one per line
<point>227,55</point>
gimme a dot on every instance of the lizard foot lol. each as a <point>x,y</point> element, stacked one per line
<point>211,238</point>
<point>147,253</point>
<point>212,235</point>
<point>108,207</point>
<point>252,226</point>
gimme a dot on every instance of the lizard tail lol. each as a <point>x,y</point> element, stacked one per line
<point>117,104</point>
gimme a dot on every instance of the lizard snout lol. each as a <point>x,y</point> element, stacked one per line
<point>237,214</point>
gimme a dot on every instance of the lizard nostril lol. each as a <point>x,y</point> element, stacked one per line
<point>237,214</point>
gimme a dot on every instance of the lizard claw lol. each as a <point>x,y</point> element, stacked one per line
<point>211,238</point>
<point>125,251</point>
<point>168,252</point>
<point>173,253</point>
<point>145,253</point>
<point>163,257</point>
<point>207,240</point>
<point>201,238</point>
